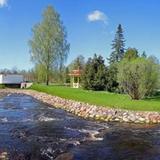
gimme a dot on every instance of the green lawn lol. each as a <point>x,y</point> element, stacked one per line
<point>101,98</point>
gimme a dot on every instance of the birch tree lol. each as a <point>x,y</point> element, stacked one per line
<point>49,46</point>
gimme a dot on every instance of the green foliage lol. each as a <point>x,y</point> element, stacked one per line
<point>39,72</point>
<point>94,76</point>
<point>77,63</point>
<point>117,46</point>
<point>138,77</point>
<point>131,53</point>
<point>2,86</point>
<point>101,98</point>
<point>153,59</point>
<point>144,55</point>
<point>66,75</point>
<point>48,45</point>
<point>112,84</point>
<point>115,57</point>
<point>63,76</point>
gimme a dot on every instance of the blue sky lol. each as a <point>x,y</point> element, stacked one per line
<point>90,24</point>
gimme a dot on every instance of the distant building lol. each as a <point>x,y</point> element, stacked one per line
<point>10,80</point>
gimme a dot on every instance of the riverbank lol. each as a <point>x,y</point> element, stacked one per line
<point>101,98</point>
<point>90,111</point>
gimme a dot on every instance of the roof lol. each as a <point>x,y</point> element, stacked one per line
<point>76,73</point>
<point>7,74</point>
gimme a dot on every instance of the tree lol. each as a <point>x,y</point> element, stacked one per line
<point>118,46</point>
<point>15,70</point>
<point>66,75</point>
<point>61,77</point>
<point>144,55</point>
<point>29,75</point>
<point>94,76</point>
<point>153,59</point>
<point>39,72</point>
<point>77,63</point>
<point>48,45</point>
<point>131,53</point>
<point>139,77</point>
<point>112,84</point>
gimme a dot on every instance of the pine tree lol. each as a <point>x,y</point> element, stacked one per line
<point>144,55</point>
<point>117,46</point>
<point>94,75</point>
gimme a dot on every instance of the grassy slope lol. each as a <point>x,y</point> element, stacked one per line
<point>101,98</point>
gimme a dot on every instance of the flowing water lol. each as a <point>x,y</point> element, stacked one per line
<point>31,130</point>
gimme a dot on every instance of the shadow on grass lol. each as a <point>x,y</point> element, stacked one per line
<point>155,97</point>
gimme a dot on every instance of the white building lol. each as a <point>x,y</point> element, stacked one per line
<point>11,79</point>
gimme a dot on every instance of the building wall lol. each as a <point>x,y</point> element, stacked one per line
<point>11,79</point>
<point>1,77</point>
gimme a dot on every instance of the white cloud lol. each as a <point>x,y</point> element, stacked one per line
<point>3,3</point>
<point>97,16</point>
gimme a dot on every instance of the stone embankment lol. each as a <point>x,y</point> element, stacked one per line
<point>91,111</point>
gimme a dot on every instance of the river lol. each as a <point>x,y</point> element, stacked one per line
<point>31,130</point>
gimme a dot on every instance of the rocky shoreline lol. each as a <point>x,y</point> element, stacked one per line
<point>90,111</point>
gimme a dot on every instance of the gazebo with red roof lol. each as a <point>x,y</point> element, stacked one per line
<point>75,78</point>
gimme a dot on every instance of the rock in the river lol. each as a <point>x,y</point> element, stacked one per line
<point>65,156</point>
<point>4,156</point>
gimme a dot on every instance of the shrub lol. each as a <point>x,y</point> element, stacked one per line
<point>139,77</point>
<point>2,86</point>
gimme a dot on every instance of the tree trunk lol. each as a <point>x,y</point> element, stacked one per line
<point>47,76</point>
<point>47,82</point>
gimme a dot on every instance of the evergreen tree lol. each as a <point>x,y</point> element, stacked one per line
<point>117,46</point>
<point>144,55</point>
<point>94,76</point>
<point>112,84</point>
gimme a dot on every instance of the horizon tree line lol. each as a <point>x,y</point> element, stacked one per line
<point>128,71</point>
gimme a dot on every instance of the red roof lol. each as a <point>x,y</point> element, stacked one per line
<point>76,73</point>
